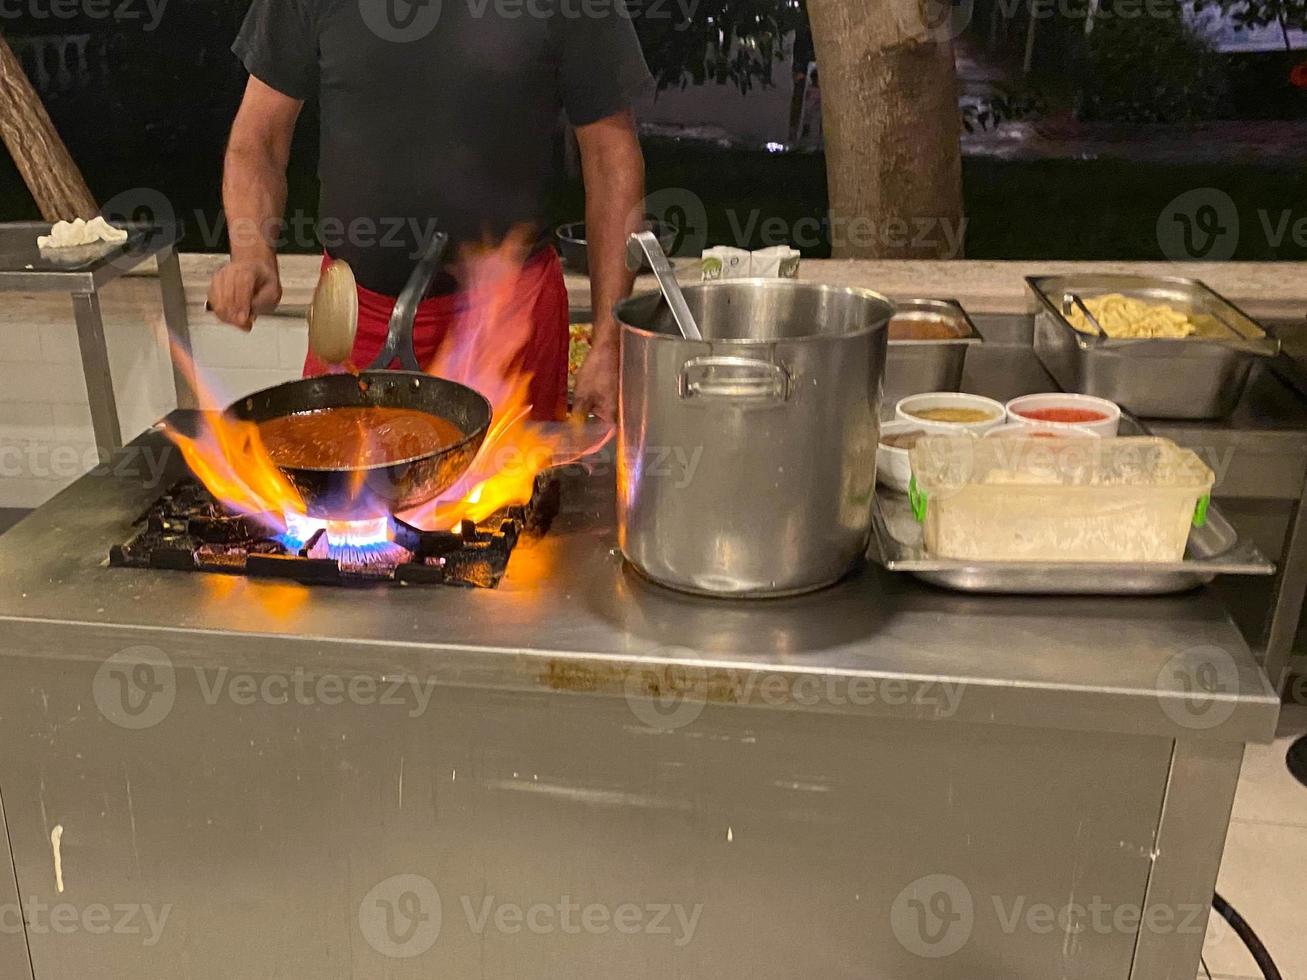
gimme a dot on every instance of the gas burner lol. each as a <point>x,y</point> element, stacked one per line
<point>188,530</point>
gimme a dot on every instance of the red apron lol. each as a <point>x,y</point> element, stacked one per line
<point>542,291</point>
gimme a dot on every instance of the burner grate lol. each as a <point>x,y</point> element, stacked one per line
<point>188,530</point>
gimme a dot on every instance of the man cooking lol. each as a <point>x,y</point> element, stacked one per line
<point>440,115</point>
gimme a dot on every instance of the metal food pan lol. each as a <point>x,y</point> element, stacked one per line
<point>915,366</point>
<point>1214,549</point>
<point>1198,377</point>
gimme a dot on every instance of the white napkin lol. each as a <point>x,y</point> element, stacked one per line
<point>68,234</point>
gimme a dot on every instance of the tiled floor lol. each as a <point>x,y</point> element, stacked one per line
<point>1264,872</point>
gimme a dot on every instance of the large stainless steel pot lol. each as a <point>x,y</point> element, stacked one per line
<point>747,461</point>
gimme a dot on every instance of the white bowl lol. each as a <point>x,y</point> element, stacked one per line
<point>951,399</point>
<point>893,468</point>
<point>1107,426</point>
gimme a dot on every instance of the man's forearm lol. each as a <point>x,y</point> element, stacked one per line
<point>254,199</point>
<point>614,191</point>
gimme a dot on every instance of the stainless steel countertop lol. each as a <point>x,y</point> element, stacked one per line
<point>26,268</point>
<point>570,617</point>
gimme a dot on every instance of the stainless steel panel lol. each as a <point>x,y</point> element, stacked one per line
<point>916,366</point>
<point>1169,379</point>
<point>747,460</point>
<point>1214,549</point>
<point>1188,848</point>
<point>250,838</point>
<point>15,961</point>
<point>569,616</point>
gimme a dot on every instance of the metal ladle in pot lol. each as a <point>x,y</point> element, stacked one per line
<point>644,245</point>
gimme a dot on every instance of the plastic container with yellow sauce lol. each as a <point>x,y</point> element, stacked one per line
<point>1046,500</point>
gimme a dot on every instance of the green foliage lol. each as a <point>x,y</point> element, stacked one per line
<point>728,41</point>
<point>1151,69</point>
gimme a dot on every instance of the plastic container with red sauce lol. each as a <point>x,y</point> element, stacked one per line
<point>1058,410</point>
<point>1073,416</point>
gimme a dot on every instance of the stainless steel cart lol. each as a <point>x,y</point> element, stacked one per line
<point>82,272</point>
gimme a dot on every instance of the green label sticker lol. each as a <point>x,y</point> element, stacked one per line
<point>1200,512</point>
<point>918,498</point>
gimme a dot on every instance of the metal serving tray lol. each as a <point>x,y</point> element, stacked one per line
<point>1214,549</point>
<point>916,366</point>
<point>1200,377</point>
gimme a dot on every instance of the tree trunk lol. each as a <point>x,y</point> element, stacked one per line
<point>892,124</point>
<point>47,169</point>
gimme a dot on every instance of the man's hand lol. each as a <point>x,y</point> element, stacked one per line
<point>241,290</point>
<point>613,168</point>
<point>596,382</point>
<point>254,199</point>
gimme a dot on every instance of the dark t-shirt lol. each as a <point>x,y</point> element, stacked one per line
<point>440,112</point>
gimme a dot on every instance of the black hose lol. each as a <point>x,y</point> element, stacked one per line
<point>1250,939</point>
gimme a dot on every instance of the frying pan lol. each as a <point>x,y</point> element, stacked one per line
<point>344,492</point>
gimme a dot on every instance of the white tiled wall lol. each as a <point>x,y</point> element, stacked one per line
<point>46,439</point>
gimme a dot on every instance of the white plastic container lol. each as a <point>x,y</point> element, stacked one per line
<point>1024,430</point>
<point>1052,500</point>
<point>995,412</point>
<point>1107,426</point>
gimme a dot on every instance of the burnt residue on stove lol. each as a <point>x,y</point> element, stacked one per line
<point>187,529</point>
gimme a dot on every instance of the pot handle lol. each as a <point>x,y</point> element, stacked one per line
<point>734,378</point>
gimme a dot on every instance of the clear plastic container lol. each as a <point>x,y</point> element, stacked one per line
<point>1047,500</point>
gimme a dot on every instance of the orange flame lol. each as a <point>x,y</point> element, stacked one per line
<point>228,457</point>
<point>485,350</point>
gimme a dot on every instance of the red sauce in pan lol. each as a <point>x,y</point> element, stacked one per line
<point>1063,415</point>
<point>345,438</point>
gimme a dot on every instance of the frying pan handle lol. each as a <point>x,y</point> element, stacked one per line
<point>399,336</point>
